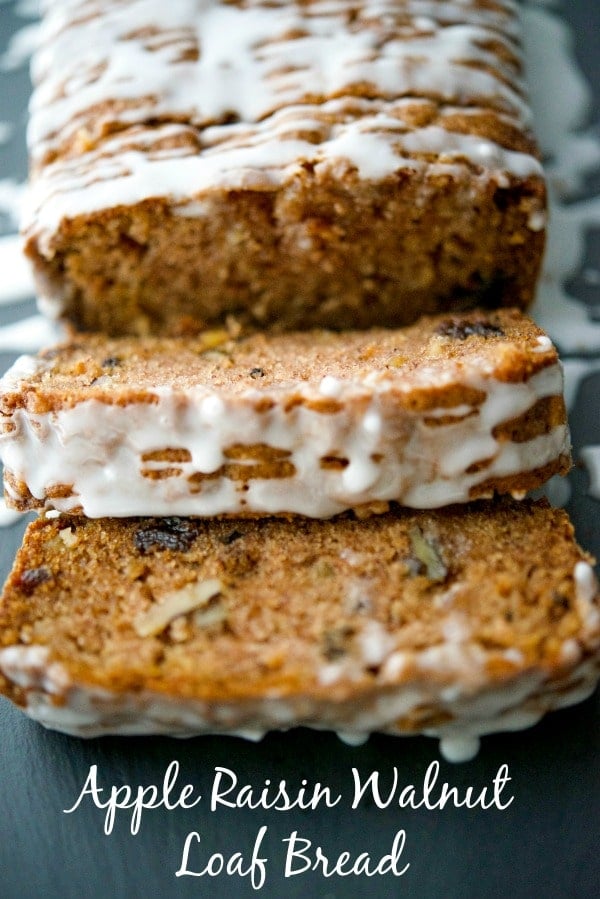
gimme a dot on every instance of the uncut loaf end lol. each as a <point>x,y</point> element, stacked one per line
<point>327,165</point>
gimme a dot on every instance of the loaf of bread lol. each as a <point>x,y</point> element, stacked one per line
<point>293,164</point>
<point>453,623</point>
<point>311,423</point>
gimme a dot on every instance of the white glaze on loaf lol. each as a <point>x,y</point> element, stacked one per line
<point>204,60</point>
<point>390,453</point>
<point>471,707</point>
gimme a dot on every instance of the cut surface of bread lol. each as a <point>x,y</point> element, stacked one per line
<point>464,621</point>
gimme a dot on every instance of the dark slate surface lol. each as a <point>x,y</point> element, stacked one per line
<point>545,844</point>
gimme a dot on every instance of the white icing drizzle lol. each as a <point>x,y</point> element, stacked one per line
<point>11,197</point>
<point>392,454</point>
<point>29,334</point>
<point>591,457</point>
<point>352,739</point>
<point>6,132</point>
<point>543,344</point>
<point>262,156</point>
<point>27,9</point>
<point>459,748</point>
<point>566,319</point>
<point>21,45</point>
<point>17,282</point>
<point>255,59</point>
<point>8,516</point>
<point>557,491</point>
<point>586,584</point>
<point>575,371</point>
<point>586,594</point>
<point>561,98</point>
<point>89,711</point>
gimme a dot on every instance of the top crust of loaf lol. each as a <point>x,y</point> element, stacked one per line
<point>228,63</point>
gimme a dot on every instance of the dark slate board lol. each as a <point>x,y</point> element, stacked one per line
<point>545,844</point>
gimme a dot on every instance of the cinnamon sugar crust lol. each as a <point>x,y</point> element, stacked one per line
<point>423,361</point>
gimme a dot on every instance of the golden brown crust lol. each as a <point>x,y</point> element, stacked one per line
<point>520,484</point>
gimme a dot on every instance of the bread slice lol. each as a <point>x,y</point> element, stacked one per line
<point>456,623</point>
<point>445,411</point>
